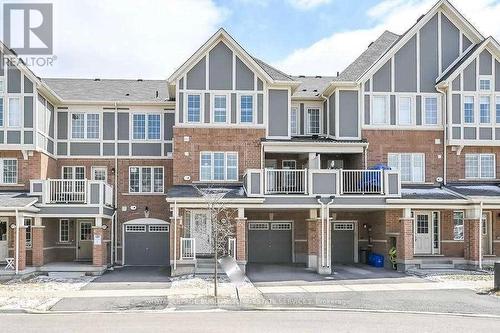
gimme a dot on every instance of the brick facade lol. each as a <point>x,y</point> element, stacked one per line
<point>37,166</point>
<point>455,164</point>
<point>37,234</point>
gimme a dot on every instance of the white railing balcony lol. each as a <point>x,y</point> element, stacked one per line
<point>231,247</point>
<point>66,191</point>
<point>362,182</point>
<point>188,248</point>
<point>285,181</point>
<point>72,191</point>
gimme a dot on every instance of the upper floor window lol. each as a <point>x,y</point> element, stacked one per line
<point>218,166</point>
<point>430,110</point>
<point>146,179</point>
<point>313,121</point>
<point>1,112</point>
<point>485,84</point>
<point>8,171</point>
<point>498,109</point>
<point>380,110</point>
<point>480,166</point>
<point>85,126</point>
<point>293,121</point>
<point>194,108</point>
<point>469,109</point>
<point>146,126</point>
<point>100,173</point>
<point>246,109</point>
<point>220,108</point>
<point>411,166</point>
<point>14,113</point>
<point>405,110</point>
<point>73,172</point>
<point>484,110</point>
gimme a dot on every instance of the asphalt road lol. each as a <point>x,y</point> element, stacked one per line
<point>245,322</point>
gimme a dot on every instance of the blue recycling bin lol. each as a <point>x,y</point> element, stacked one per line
<point>372,180</point>
<point>378,260</point>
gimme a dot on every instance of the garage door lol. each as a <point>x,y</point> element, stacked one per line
<point>342,243</point>
<point>270,242</point>
<point>147,245</point>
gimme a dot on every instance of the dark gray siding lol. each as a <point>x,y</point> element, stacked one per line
<point>325,117</point>
<point>62,125</point>
<point>14,137</point>
<point>220,68</point>
<point>181,107</point>
<point>470,133</point>
<point>207,107</point>
<point>367,109</point>
<point>485,134</point>
<point>331,112</point>
<point>62,148</point>
<point>108,126</point>
<point>233,108</point>
<point>196,77</point>
<point>393,110</point>
<point>146,149</point>
<point>169,123</point>
<point>302,119</point>
<point>244,76</point>
<point>405,63</point>
<point>429,55</point>
<point>485,63</point>
<point>382,78</point>
<point>51,122</point>
<point>28,111</point>
<point>450,42</point>
<point>456,133</point>
<point>348,113</point>
<point>497,75</point>
<point>465,43</point>
<point>28,85</point>
<point>278,112</point>
<point>28,137</point>
<point>123,149</point>
<point>168,148</point>
<point>108,149</point>
<point>123,126</point>
<point>367,86</point>
<point>456,109</point>
<point>470,77</point>
<point>84,149</point>
<point>455,85</point>
<point>260,85</point>
<point>50,146</point>
<point>260,109</point>
<point>13,80</point>
<point>418,110</point>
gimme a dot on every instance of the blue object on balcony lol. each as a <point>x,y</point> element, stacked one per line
<point>371,181</point>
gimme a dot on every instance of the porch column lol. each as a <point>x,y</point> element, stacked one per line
<point>37,245</point>
<point>312,239</point>
<point>241,241</point>
<point>21,262</point>
<point>472,226</point>
<point>404,246</point>
<point>324,266</point>
<point>175,239</point>
<point>98,245</point>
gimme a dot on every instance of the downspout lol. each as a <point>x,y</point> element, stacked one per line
<point>328,232</point>
<point>322,231</point>
<point>115,225</point>
<point>17,241</point>
<point>325,218</point>
<point>113,238</point>
<point>445,127</point>
<point>175,235</point>
<point>481,235</point>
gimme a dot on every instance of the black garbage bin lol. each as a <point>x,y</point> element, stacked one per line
<point>497,275</point>
<point>363,255</point>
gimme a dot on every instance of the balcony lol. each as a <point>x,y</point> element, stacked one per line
<point>313,182</point>
<point>72,192</point>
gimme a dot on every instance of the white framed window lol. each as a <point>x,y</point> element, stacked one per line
<point>14,112</point>
<point>158,228</point>
<point>313,121</point>
<point>246,109</point>
<point>484,83</point>
<point>294,121</point>
<point>411,166</point>
<point>84,125</point>
<point>73,172</point>
<point>145,179</point>
<point>497,109</point>
<point>480,166</point>
<point>484,110</point>
<point>458,225</point>
<point>405,110</point>
<point>469,109</point>
<point>218,166</point>
<point>431,111</point>
<point>194,108</point>
<point>289,164</point>
<point>220,108</point>
<point>8,171</point>
<point>64,230</point>
<point>99,173</point>
<point>29,235</point>
<point>380,110</point>
<point>135,228</point>
<point>1,111</point>
<point>146,126</point>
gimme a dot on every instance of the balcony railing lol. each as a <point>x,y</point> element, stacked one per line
<point>286,181</point>
<point>188,248</point>
<point>72,191</point>
<point>66,191</point>
<point>362,182</point>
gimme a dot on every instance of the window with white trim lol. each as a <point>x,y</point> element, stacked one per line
<point>246,109</point>
<point>405,110</point>
<point>484,110</point>
<point>411,166</point>
<point>145,179</point>
<point>380,110</point>
<point>193,108</point>
<point>430,110</point>
<point>146,126</point>
<point>220,109</point>
<point>497,109</point>
<point>458,225</point>
<point>293,121</point>
<point>218,166</point>
<point>484,84</point>
<point>85,125</point>
<point>313,121</point>
<point>73,172</point>
<point>135,228</point>
<point>480,166</point>
<point>100,173</point>
<point>64,231</point>
<point>8,171</point>
<point>158,228</point>
<point>29,238</point>
<point>1,111</point>
<point>14,112</point>
<point>469,109</point>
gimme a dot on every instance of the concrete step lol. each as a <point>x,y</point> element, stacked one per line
<point>437,266</point>
<point>66,275</point>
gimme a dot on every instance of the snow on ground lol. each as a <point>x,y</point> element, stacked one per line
<point>30,293</point>
<point>478,282</point>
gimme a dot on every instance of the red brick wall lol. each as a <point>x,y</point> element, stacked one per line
<point>37,166</point>
<point>455,164</point>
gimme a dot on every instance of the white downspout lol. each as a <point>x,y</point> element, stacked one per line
<point>175,235</point>
<point>481,235</point>
<point>322,232</point>
<point>113,238</point>
<point>328,233</point>
<point>115,225</point>
<point>17,241</point>
<point>445,127</point>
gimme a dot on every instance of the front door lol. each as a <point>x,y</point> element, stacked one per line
<point>4,251</point>
<point>84,240</point>
<point>486,234</point>
<point>201,231</point>
<point>423,233</point>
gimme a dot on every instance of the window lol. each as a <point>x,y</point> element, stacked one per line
<point>480,166</point>
<point>246,109</point>
<point>458,225</point>
<point>498,109</point>
<point>313,121</point>
<point>380,110</point>
<point>1,111</point>
<point>8,171</point>
<point>29,239</point>
<point>469,110</point>
<point>64,231</point>
<point>146,126</point>
<point>484,84</point>
<point>194,108</point>
<point>411,166</point>
<point>220,108</point>
<point>14,112</point>
<point>219,166</point>
<point>293,121</point>
<point>146,180</point>
<point>405,110</point>
<point>73,172</point>
<point>100,173</point>
<point>85,126</point>
<point>484,110</point>
<point>430,110</point>
<point>289,164</point>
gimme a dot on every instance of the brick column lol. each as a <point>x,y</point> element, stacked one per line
<point>241,241</point>
<point>37,245</point>
<point>175,243</point>
<point>312,243</point>
<point>404,242</point>
<point>22,248</point>
<point>471,240</point>
<point>98,250</point>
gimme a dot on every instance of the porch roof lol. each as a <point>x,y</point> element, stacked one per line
<point>17,200</point>
<point>193,191</point>
<point>476,189</point>
<point>428,193</point>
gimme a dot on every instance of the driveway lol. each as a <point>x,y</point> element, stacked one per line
<point>132,277</point>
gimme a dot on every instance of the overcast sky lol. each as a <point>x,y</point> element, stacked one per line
<point>150,38</point>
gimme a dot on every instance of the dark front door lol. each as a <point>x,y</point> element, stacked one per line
<point>342,243</point>
<point>270,242</point>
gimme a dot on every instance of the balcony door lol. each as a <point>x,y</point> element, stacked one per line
<point>77,175</point>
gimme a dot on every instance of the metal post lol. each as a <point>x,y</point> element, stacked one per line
<point>17,241</point>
